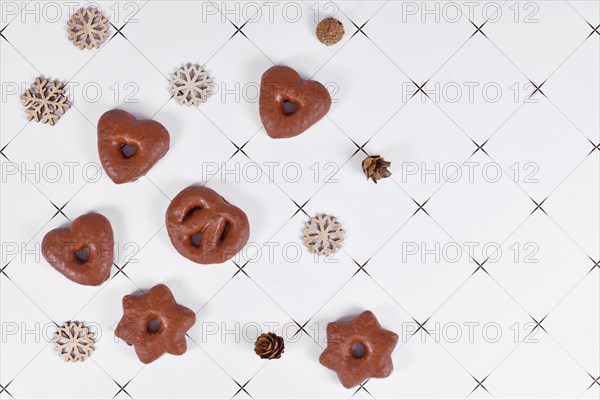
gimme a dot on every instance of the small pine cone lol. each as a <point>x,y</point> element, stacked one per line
<point>330,31</point>
<point>375,168</point>
<point>269,345</point>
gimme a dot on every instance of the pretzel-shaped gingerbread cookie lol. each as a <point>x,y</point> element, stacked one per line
<point>204,227</point>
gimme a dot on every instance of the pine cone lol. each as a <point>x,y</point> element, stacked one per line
<point>269,345</point>
<point>376,168</point>
<point>330,31</point>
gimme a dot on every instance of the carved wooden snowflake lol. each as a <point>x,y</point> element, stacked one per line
<point>323,235</point>
<point>191,85</point>
<point>88,28</point>
<point>74,341</point>
<point>45,101</point>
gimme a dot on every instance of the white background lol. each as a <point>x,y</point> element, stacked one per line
<point>523,324</point>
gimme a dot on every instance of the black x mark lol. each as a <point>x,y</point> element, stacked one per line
<point>242,388</point>
<point>359,29</point>
<point>4,389</point>
<point>359,148</point>
<point>240,269</point>
<point>118,30</point>
<point>594,147</point>
<point>361,386</point>
<point>537,88</point>
<point>594,30</point>
<point>480,266</point>
<point>120,270</point>
<point>239,149</point>
<point>538,206</point>
<point>2,151</point>
<point>595,381</point>
<point>361,267</point>
<point>301,328</point>
<point>480,384</point>
<point>3,268</point>
<point>479,147</point>
<point>421,207</point>
<point>2,33</point>
<point>420,88</point>
<point>596,264</point>
<point>59,210</point>
<point>122,388</point>
<point>538,324</point>
<point>478,28</point>
<point>300,208</point>
<point>238,29</point>
<point>421,326</point>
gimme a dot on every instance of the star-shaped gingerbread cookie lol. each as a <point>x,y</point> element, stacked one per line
<point>359,349</point>
<point>154,324</point>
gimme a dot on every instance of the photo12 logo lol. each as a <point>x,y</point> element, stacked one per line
<point>488,332</point>
<point>469,171</point>
<point>240,12</point>
<point>31,252</point>
<point>454,252</point>
<point>456,11</point>
<point>249,92</point>
<point>77,92</point>
<point>271,171</point>
<point>13,332</point>
<point>120,12</point>
<point>470,92</point>
<point>289,252</point>
<point>50,172</point>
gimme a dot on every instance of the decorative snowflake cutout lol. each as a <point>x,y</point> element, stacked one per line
<point>74,341</point>
<point>88,28</point>
<point>45,101</point>
<point>323,235</point>
<point>190,85</point>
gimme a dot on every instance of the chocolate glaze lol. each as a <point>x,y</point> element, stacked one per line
<point>166,332</point>
<point>149,138</point>
<point>378,344</point>
<point>65,249</point>
<point>281,84</point>
<point>222,227</point>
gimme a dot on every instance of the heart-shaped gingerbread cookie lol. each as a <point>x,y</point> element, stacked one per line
<point>83,252</point>
<point>288,104</point>
<point>129,147</point>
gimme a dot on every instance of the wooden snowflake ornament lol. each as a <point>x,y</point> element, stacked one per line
<point>45,101</point>
<point>191,85</point>
<point>88,28</point>
<point>74,341</point>
<point>323,235</point>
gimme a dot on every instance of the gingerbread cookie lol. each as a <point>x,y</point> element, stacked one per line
<point>359,349</point>
<point>154,324</point>
<point>204,227</point>
<point>129,147</point>
<point>288,104</point>
<point>83,252</point>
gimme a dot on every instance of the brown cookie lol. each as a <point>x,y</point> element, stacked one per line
<point>83,252</point>
<point>359,349</point>
<point>129,147</point>
<point>204,227</point>
<point>288,104</point>
<point>154,324</point>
